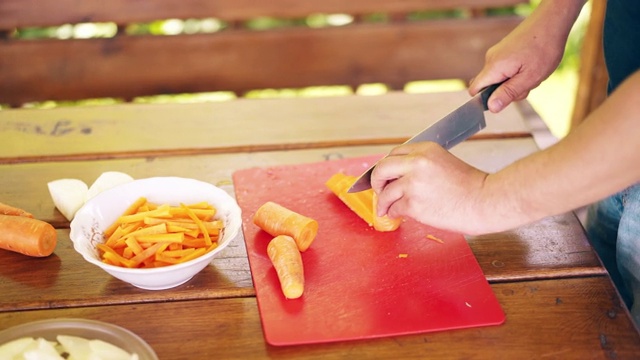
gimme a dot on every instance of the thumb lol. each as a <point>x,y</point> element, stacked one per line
<point>510,91</point>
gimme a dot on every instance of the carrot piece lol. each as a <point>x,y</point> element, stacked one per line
<point>191,213</point>
<point>161,238</point>
<point>202,214</point>
<point>198,252</point>
<point>111,255</point>
<point>13,211</point>
<point>27,236</point>
<point>362,203</point>
<point>201,205</point>
<point>146,254</point>
<point>191,242</point>
<point>128,211</point>
<point>150,230</point>
<point>161,211</point>
<point>382,223</point>
<point>133,244</point>
<point>276,220</point>
<point>286,259</point>
<point>177,253</point>
<point>149,235</point>
<point>213,227</point>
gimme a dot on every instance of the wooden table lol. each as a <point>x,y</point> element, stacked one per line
<point>558,299</point>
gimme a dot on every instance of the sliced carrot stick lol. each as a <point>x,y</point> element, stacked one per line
<point>128,211</point>
<point>149,235</point>
<point>191,213</point>
<point>362,203</point>
<point>287,261</point>
<point>163,238</point>
<point>276,220</point>
<point>13,211</point>
<point>27,236</point>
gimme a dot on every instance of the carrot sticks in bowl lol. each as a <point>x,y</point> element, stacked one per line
<point>149,235</point>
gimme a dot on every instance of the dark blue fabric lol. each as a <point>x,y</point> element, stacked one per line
<point>621,40</point>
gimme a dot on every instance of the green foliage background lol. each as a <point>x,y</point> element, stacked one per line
<point>553,99</point>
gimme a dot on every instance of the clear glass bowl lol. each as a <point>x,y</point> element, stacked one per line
<point>89,329</point>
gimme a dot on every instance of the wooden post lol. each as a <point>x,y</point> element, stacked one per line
<point>593,77</point>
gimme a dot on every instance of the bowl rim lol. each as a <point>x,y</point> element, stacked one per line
<point>235,232</point>
<point>66,322</point>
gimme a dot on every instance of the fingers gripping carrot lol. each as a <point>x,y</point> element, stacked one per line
<point>27,236</point>
<point>278,220</point>
<point>287,261</point>
<point>362,203</point>
<point>14,211</point>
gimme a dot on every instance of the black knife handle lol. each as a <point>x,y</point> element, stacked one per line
<point>486,93</point>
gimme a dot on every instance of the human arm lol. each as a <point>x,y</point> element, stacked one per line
<point>598,158</point>
<point>529,54</point>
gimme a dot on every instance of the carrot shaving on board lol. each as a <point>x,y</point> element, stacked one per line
<point>431,237</point>
<point>149,235</point>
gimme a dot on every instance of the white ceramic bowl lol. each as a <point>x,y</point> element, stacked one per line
<point>101,211</point>
<point>88,329</point>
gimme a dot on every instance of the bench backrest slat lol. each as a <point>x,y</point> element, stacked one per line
<point>237,58</point>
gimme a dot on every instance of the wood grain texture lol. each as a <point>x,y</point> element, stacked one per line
<point>65,279</point>
<point>16,13</point>
<point>25,185</point>
<point>572,318</point>
<point>130,66</point>
<point>232,126</point>
<point>552,248</point>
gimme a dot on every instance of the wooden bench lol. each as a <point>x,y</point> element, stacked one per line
<point>376,41</point>
<point>593,76</point>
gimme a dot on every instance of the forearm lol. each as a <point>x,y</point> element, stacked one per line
<point>529,54</point>
<point>554,18</point>
<point>597,159</point>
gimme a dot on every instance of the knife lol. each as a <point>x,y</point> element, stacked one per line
<point>449,131</point>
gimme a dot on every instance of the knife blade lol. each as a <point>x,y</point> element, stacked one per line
<point>449,131</point>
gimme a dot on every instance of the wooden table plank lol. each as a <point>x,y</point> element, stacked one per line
<point>25,185</point>
<point>552,248</point>
<point>65,279</point>
<point>157,130</point>
<point>571,318</point>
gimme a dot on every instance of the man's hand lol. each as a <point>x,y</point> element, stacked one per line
<point>426,182</point>
<point>529,54</point>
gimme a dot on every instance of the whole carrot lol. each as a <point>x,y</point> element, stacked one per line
<point>287,261</point>
<point>27,236</point>
<point>276,220</point>
<point>14,211</point>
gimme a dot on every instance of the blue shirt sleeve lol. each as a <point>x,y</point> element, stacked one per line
<point>621,37</point>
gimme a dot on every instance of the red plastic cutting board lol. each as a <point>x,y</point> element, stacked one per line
<point>358,285</point>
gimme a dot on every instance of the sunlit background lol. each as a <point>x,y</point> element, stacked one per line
<point>553,100</point>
